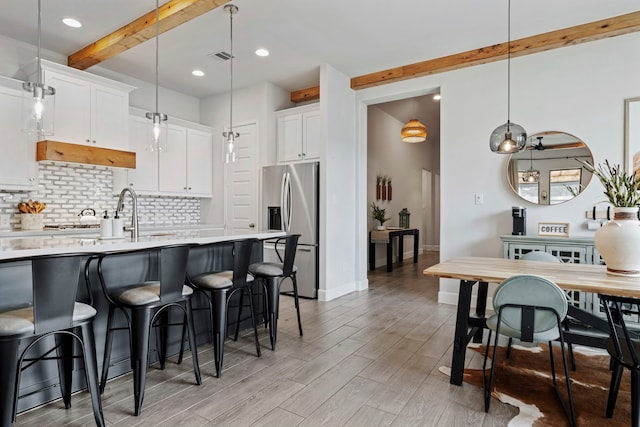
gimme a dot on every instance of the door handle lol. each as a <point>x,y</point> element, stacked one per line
<point>303,249</point>
<point>252,225</point>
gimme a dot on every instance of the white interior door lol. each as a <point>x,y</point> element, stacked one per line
<point>242,182</point>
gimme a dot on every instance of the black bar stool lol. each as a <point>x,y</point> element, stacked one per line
<point>219,286</point>
<point>153,282</point>
<point>272,274</point>
<point>53,311</point>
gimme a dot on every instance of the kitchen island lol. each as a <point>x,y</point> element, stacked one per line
<point>40,384</point>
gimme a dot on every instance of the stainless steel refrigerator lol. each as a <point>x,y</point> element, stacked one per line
<point>290,202</point>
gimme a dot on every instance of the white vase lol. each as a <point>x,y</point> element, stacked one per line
<point>618,242</point>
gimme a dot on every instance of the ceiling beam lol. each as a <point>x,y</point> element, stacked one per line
<point>170,15</point>
<point>597,30</point>
<point>308,94</point>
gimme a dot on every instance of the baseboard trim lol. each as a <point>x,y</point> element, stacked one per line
<point>347,288</point>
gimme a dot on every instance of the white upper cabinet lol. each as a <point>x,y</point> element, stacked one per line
<point>89,109</point>
<point>144,178</point>
<point>183,169</point>
<point>298,134</point>
<point>18,166</point>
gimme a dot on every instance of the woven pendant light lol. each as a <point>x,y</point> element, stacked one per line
<point>414,131</point>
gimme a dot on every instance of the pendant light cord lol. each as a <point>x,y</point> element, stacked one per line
<point>509,65</point>
<point>39,67</point>
<point>157,44</point>
<point>231,11</point>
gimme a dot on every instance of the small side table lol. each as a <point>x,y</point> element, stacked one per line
<point>391,234</point>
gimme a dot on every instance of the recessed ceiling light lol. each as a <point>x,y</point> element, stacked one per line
<point>198,73</point>
<point>262,52</point>
<point>72,22</point>
<point>437,97</point>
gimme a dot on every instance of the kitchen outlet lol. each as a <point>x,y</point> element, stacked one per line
<point>479,198</point>
<point>187,217</point>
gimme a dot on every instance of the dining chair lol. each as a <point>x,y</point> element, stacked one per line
<point>272,275</point>
<point>52,311</point>
<point>143,285</point>
<point>529,308</point>
<point>623,345</point>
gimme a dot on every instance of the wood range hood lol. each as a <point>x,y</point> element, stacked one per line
<point>88,155</point>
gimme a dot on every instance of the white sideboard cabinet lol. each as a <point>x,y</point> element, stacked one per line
<point>18,166</point>
<point>89,109</point>
<point>577,250</point>
<point>298,133</point>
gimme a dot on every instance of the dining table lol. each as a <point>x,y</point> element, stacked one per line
<point>481,271</point>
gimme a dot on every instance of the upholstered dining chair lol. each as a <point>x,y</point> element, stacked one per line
<point>52,311</point>
<point>531,309</point>
<point>540,256</point>
<point>272,275</point>
<point>623,346</point>
<point>144,284</point>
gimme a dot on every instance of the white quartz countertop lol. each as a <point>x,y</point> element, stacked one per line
<point>56,243</point>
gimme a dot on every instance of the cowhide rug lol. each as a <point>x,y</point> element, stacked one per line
<point>524,381</point>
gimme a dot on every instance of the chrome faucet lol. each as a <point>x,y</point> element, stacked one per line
<point>134,210</point>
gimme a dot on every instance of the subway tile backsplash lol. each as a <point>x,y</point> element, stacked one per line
<point>69,188</point>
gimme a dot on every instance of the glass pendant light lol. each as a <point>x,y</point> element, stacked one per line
<point>509,137</point>
<point>413,131</point>
<point>38,99</point>
<point>230,136</point>
<point>531,175</point>
<point>158,120</point>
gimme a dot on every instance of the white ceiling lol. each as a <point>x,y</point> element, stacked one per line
<point>355,36</point>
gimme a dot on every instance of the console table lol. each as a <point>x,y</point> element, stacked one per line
<point>386,236</point>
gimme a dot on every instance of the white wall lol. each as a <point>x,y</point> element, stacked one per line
<point>254,104</point>
<point>578,89</point>
<point>339,242</point>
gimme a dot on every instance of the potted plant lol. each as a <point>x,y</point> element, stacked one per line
<point>618,241</point>
<point>379,214</point>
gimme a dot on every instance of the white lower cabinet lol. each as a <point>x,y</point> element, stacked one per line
<point>18,166</point>
<point>183,169</point>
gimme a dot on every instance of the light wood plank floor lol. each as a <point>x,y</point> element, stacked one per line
<point>366,359</point>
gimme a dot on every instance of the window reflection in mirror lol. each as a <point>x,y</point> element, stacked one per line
<point>561,177</point>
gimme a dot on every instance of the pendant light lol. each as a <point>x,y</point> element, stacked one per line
<point>38,99</point>
<point>531,175</point>
<point>230,136</point>
<point>509,137</point>
<point>414,131</point>
<point>158,120</point>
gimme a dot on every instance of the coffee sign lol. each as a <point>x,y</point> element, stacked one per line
<point>557,229</point>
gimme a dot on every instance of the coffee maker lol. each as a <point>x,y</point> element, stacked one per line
<point>519,215</point>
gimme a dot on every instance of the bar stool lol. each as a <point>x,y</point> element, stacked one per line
<point>153,282</point>
<point>219,286</point>
<point>53,312</point>
<point>272,275</point>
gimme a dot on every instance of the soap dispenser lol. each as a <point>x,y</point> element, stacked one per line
<point>118,226</point>
<point>106,226</point>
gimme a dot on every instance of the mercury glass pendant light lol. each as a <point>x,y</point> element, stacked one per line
<point>531,175</point>
<point>38,100</point>
<point>509,137</point>
<point>158,120</point>
<point>230,136</point>
<point>413,131</point>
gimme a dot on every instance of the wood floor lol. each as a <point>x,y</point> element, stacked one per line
<point>366,359</point>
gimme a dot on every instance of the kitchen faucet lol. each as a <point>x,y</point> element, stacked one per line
<point>134,210</point>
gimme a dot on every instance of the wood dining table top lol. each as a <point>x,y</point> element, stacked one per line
<point>580,277</point>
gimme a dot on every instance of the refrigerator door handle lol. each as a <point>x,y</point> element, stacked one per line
<point>283,220</point>
<point>286,207</point>
<point>303,249</point>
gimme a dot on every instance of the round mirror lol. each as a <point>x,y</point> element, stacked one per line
<point>547,172</point>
